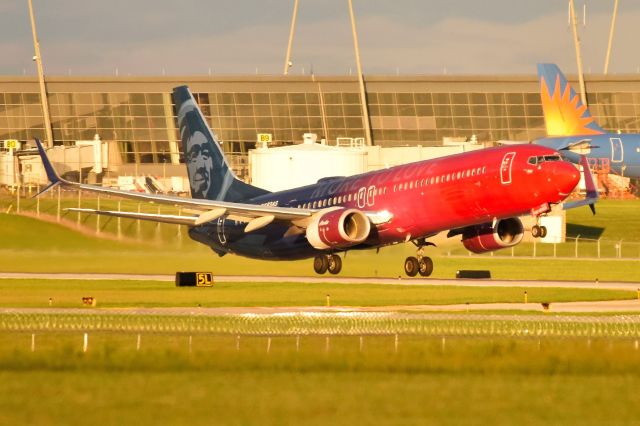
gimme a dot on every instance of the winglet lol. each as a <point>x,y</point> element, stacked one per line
<point>592,195</point>
<point>48,167</point>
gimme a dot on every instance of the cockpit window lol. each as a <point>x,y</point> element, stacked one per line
<point>543,158</point>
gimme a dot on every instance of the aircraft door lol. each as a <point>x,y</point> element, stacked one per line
<point>506,168</point>
<point>617,151</point>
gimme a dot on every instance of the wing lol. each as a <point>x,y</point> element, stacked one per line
<point>199,211</point>
<point>204,211</point>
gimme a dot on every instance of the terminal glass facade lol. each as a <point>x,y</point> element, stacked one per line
<point>136,114</point>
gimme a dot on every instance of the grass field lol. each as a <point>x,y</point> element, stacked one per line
<point>30,245</point>
<point>313,371</point>
<point>276,381</point>
<point>114,293</point>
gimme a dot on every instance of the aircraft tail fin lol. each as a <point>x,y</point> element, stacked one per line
<point>210,176</point>
<point>564,112</point>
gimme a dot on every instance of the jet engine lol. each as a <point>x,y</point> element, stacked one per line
<point>338,228</point>
<point>493,236</point>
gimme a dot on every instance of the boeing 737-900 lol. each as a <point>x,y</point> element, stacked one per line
<point>479,195</point>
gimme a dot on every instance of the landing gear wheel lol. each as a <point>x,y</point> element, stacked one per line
<point>411,266</point>
<point>543,231</point>
<point>320,264</point>
<point>536,231</point>
<point>335,264</point>
<point>425,266</point>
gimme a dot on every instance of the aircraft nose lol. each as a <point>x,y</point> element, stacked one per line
<point>565,177</point>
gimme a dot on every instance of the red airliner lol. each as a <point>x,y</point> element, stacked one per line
<point>478,195</point>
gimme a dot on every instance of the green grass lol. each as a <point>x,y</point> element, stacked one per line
<point>113,293</point>
<point>218,380</point>
<point>614,220</point>
<point>30,245</point>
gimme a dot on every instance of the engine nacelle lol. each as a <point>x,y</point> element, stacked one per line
<point>338,228</point>
<point>493,236</point>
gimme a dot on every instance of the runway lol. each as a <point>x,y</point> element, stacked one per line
<point>618,306</point>
<point>611,285</point>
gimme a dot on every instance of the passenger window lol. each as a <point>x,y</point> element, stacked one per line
<point>411,185</point>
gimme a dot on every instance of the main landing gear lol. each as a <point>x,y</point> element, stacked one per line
<point>420,264</point>
<point>538,231</point>
<point>327,262</point>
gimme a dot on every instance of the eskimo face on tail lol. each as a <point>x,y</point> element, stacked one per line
<point>199,159</point>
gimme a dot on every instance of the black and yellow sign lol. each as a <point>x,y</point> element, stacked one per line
<point>265,137</point>
<point>11,144</point>
<point>194,279</point>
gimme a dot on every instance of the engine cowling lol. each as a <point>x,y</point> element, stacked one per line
<point>338,228</point>
<point>493,236</point>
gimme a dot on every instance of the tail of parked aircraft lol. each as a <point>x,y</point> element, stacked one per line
<point>564,112</point>
<point>210,176</point>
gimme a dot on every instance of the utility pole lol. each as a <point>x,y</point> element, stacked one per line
<point>363,96</point>
<point>43,89</point>
<point>287,60</point>
<point>613,26</point>
<point>576,41</point>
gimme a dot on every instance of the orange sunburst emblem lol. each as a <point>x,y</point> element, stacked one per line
<point>564,113</point>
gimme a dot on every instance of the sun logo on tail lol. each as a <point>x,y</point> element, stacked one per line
<point>564,113</point>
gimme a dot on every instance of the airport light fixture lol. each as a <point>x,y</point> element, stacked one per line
<point>363,95</point>
<point>287,59</point>
<point>43,89</point>
<point>576,41</point>
<point>611,31</point>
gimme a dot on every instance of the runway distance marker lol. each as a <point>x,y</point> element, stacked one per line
<point>194,279</point>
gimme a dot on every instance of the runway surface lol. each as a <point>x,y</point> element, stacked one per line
<point>612,285</point>
<point>619,306</point>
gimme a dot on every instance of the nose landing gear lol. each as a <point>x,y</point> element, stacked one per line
<point>538,231</point>
<point>327,262</point>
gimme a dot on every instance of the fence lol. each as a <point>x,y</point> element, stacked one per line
<point>333,324</point>
<point>574,247</point>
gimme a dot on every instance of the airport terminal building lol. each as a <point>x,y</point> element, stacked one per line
<point>135,114</point>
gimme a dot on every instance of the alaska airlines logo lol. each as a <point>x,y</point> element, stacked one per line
<point>564,113</point>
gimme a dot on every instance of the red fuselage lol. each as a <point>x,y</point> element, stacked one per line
<point>411,201</point>
<point>430,196</point>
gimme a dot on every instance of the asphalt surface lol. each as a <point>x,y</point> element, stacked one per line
<point>618,306</point>
<point>612,285</point>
